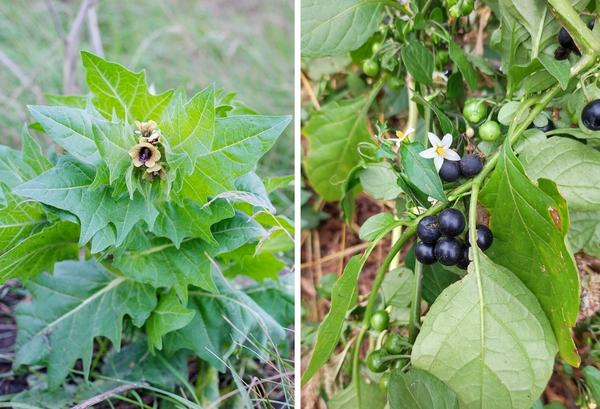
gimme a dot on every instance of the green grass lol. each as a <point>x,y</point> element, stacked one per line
<point>241,45</point>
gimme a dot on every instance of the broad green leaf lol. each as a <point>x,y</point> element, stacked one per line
<point>332,28</point>
<point>420,171</point>
<point>245,261</point>
<point>190,220</point>
<point>380,180</point>
<point>145,259</point>
<point>559,69</point>
<point>417,389</point>
<point>13,170</point>
<point>18,220</point>
<point>592,379</point>
<point>73,101</point>
<point>574,167</point>
<point>464,65</point>
<point>118,90</point>
<point>70,128</point>
<point>67,186</point>
<point>224,320</point>
<point>249,189</point>
<point>436,277</point>
<point>114,142</point>
<point>348,399</point>
<point>529,239</point>
<point>584,233</point>
<point>240,141</point>
<point>168,316</point>
<point>274,183</point>
<point>32,153</point>
<point>397,287</point>
<point>374,225</point>
<point>418,62</point>
<point>134,363</point>
<point>276,298</point>
<point>343,297</point>
<point>488,339</point>
<point>334,134</point>
<point>39,251</point>
<point>190,127</point>
<point>78,302</point>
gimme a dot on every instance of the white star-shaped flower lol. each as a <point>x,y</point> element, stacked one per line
<point>401,136</point>
<point>440,150</point>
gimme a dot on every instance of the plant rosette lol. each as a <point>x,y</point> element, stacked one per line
<point>140,222</point>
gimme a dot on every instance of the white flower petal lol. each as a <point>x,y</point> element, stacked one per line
<point>433,139</point>
<point>428,153</point>
<point>409,131</point>
<point>447,141</point>
<point>451,155</point>
<point>438,161</point>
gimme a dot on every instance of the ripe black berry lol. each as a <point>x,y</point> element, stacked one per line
<point>561,53</point>
<point>451,222</point>
<point>450,170</point>
<point>448,251</point>
<point>591,24</point>
<point>464,260</point>
<point>427,229</point>
<point>565,39</point>
<point>470,165</point>
<point>590,115</point>
<point>424,253</point>
<point>484,237</point>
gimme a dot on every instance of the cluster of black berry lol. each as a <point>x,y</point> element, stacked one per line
<point>469,166</point>
<point>439,239</point>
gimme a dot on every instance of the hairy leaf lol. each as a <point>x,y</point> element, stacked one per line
<point>529,239</point>
<point>488,339</point>
<point>18,220</point>
<point>70,128</point>
<point>418,389</point>
<point>240,141</point>
<point>334,133</point>
<point>190,220</point>
<point>145,259</point>
<point>32,154</point>
<point>224,320</point>
<point>67,186</point>
<point>13,170</point>
<point>39,251</point>
<point>68,309</point>
<point>118,90</point>
<point>190,127</point>
<point>168,316</point>
<point>332,28</point>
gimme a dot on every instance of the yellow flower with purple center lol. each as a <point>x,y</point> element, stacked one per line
<point>144,154</point>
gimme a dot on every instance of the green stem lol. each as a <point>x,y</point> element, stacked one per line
<point>414,323</point>
<point>586,41</point>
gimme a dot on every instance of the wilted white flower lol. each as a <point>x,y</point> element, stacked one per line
<point>402,136</point>
<point>440,150</point>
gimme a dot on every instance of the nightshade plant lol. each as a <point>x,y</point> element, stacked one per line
<point>139,222</point>
<point>528,183</point>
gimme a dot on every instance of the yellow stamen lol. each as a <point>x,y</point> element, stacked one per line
<point>440,150</point>
<point>400,135</point>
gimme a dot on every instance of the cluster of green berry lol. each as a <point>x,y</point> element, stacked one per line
<point>439,239</point>
<point>394,351</point>
<point>459,8</point>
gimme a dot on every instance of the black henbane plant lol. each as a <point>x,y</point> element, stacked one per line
<point>151,202</point>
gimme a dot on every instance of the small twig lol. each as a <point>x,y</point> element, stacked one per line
<point>311,94</point>
<point>71,45</point>
<point>95,38</point>
<point>108,394</point>
<point>55,18</point>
